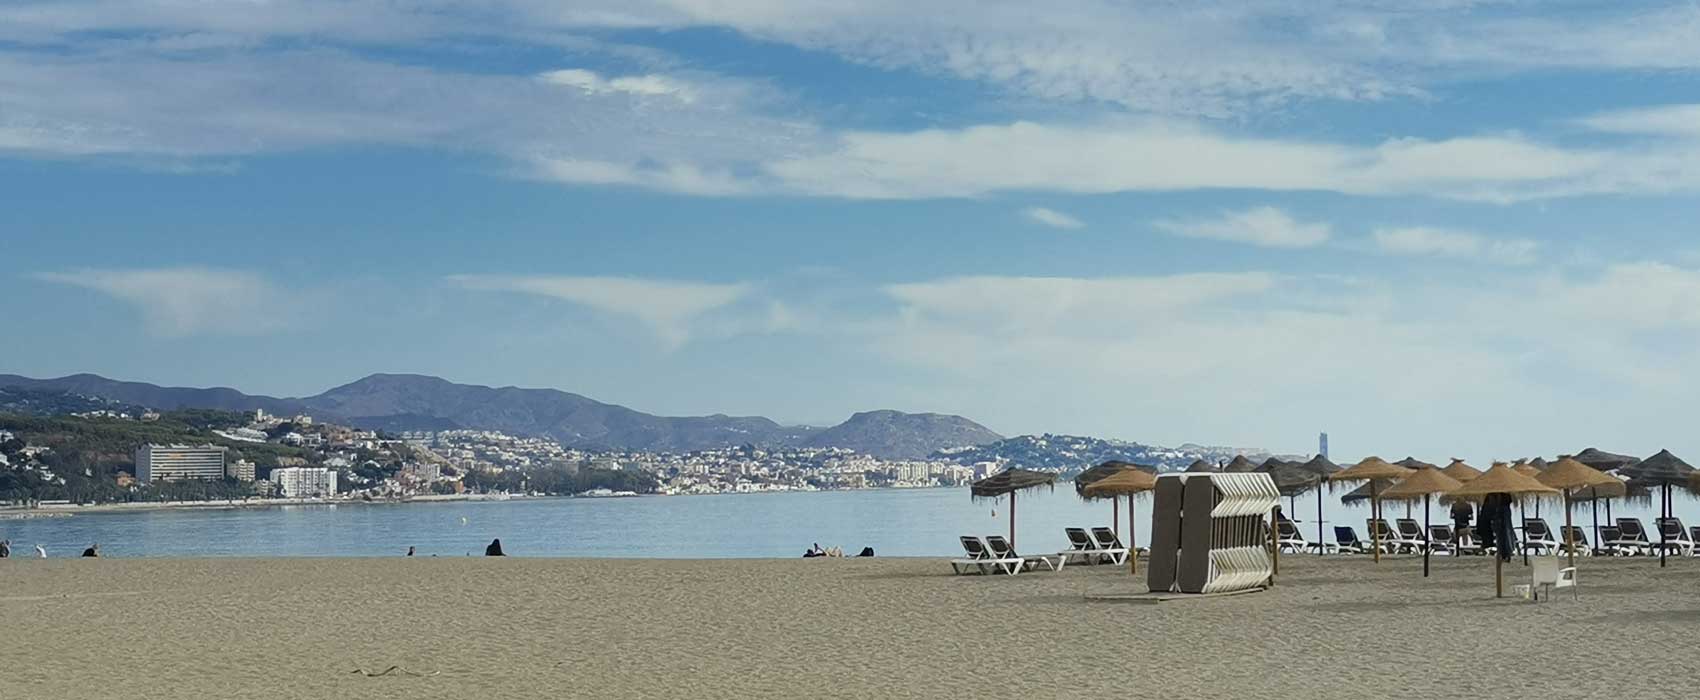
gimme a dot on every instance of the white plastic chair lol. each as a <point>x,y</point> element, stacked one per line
<point>1545,573</point>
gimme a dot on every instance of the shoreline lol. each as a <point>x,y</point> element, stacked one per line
<point>51,510</point>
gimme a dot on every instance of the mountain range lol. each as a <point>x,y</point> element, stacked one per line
<point>403,402</point>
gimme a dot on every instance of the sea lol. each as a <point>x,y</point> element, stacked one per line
<point>894,522</point>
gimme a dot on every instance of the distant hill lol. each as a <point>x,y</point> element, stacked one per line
<point>898,435</point>
<point>1071,452</point>
<point>399,402</point>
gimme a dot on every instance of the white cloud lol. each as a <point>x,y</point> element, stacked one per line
<point>651,85</point>
<point>1431,241</point>
<point>1261,226</point>
<point>1051,218</point>
<point>665,307</point>
<point>183,301</point>
<point>1022,304</point>
<point>1682,120</point>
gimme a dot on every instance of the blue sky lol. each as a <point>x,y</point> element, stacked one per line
<point>1447,228</point>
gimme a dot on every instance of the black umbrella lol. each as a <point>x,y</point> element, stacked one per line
<point>1662,470</point>
<point>1320,466</point>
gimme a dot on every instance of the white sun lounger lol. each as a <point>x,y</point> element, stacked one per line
<point>1003,552</point>
<point>1110,545</point>
<point>979,560</point>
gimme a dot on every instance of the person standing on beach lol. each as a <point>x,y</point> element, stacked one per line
<point>1485,529</point>
<point>1460,518</point>
<point>495,548</point>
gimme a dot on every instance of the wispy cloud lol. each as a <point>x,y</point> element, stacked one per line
<point>1051,218</point>
<point>1664,120</point>
<point>183,301</point>
<point>665,307</point>
<point>651,85</point>
<point>1440,242</point>
<point>1268,227</point>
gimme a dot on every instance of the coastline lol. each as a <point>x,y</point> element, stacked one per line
<point>48,510</point>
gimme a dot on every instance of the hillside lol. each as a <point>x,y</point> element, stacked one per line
<point>400,402</point>
<point>1070,452</point>
<point>897,435</point>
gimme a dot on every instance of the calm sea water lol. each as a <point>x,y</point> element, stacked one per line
<point>913,522</point>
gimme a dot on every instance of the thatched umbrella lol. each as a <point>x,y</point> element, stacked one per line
<point>1662,470</point>
<point>1461,471</point>
<point>1320,466</point>
<point>1240,465</point>
<point>1424,482</point>
<point>1107,469</point>
<point>1272,463</point>
<point>1502,480</point>
<point>1540,464</point>
<point>1200,465</point>
<point>1007,482</point>
<point>1604,461</point>
<point>1569,475</point>
<point>1414,463</point>
<point>1129,482</point>
<point>1370,469</point>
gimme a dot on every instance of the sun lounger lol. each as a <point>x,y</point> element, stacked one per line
<point>980,560</point>
<point>1441,540</point>
<point>1346,541</point>
<point>1001,550</point>
<point>1632,537</point>
<point>1110,545</point>
<point>1545,573</point>
<point>1578,537</point>
<point>1288,538</point>
<point>1537,537</point>
<point>1608,535</point>
<point>1388,538</point>
<point>1675,537</point>
<point>1694,534</point>
<point>1464,541</point>
<point>1411,537</point>
<point>1081,545</point>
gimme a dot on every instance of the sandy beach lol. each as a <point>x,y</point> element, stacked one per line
<point>475,627</point>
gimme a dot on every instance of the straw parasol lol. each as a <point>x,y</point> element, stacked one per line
<point>1604,461</point>
<point>1200,466</point>
<point>1569,475</point>
<point>1461,471</point>
<point>1320,466</point>
<point>1102,471</point>
<point>1007,482</point>
<point>1240,465</point>
<point>1413,463</point>
<point>1423,483</point>
<point>1501,479</point>
<point>1662,470</point>
<point>1129,482</point>
<point>1370,469</point>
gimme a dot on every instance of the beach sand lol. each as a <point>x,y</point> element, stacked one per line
<point>508,628</point>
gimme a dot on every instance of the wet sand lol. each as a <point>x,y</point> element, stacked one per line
<point>474,627</point>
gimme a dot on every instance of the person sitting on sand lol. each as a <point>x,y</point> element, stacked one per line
<point>92,551</point>
<point>495,548</point>
<point>410,551</point>
<point>5,549</point>
<point>866,552</point>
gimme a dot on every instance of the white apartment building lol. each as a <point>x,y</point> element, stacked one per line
<point>241,470</point>
<point>304,482</point>
<point>173,462</point>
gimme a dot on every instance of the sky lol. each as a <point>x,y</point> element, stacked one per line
<point>1431,227</point>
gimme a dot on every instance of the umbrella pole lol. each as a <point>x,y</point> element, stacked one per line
<point>1426,548</point>
<point>1274,541</point>
<point>1523,512</point>
<point>1132,542</point>
<point>1569,541</point>
<point>1116,516</point>
<point>1320,547</point>
<point>1375,527</point>
<point>1664,512</point>
<point>1498,577</point>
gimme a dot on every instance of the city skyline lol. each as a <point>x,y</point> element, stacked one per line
<point>1435,228</point>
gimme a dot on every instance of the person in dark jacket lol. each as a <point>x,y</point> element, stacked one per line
<point>92,551</point>
<point>1506,535</point>
<point>1486,529</point>
<point>495,548</point>
<point>1461,515</point>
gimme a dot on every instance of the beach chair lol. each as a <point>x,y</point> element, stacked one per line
<point>1387,537</point>
<point>1675,536</point>
<point>1694,534</point>
<point>1110,545</point>
<point>1632,537</point>
<point>980,559</point>
<point>1537,537</point>
<point>1346,541</point>
<point>1411,535</point>
<point>1608,535</point>
<point>1002,551</point>
<point>1288,538</point>
<point>1081,545</point>
<point>1441,540</point>
<point>1578,536</point>
<point>1544,572</point>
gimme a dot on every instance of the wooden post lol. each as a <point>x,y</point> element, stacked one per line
<point>1115,516</point>
<point>1592,491</point>
<point>1569,540</point>
<point>1320,546</point>
<point>1664,512</point>
<point>1012,522</point>
<point>1498,576</point>
<point>1274,542</point>
<point>1375,522</point>
<point>1132,542</point>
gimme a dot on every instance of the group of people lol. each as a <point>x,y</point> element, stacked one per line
<point>817,551</point>
<point>41,552</point>
<point>1493,522</point>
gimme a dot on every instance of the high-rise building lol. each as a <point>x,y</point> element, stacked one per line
<point>1322,445</point>
<point>304,482</point>
<point>241,470</point>
<point>174,462</point>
